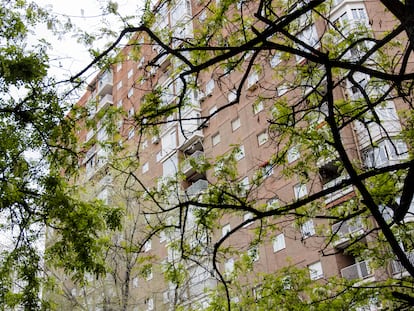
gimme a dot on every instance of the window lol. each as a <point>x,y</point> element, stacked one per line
<point>315,271</point>
<point>279,243</point>
<point>145,168</point>
<point>163,236</point>
<point>229,266</point>
<point>119,105</point>
<point>231,96</point>
<point>130,92</point>
<point>300,191</point>
<point>384,152</point>
<point>131,133</point>
<point>275,60</point>
<point>307,229</point>
<point>169,142</point>
<point>147,246</point>
<point>253,253</point>
<point>150,304</point>
<point>252,79</point>
<point>245,185</point>
<point>212,111</point>
<point>262,138</point>
<point>144,144</point>
<point>246,217</point>
<point>226,229</point>
<point>308,36</point>
<point>202,17</point>
<point>148,274</point>
<point>130,73</point>
<point>235,124</point>
<point>215,139</point>
<point>118,66</point>
<point>272,204</point>
<point>282,89</point>
<point>257,107</point>
<point>293,154</point>
<point>209,87</point>
<point>131,112</point>
<point>267,170</point>
<point>119,85</point>
<point>135,282</point>
<point>239,153</point>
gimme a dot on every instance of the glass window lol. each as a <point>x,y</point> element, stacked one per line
<point>300,191</point>
<point>229,266</point>
<point>279,243</point>
<point>235,124</point>
<point>226,229</point>
<point>262,138</point>
<point>253,253</point>
<point>240,153</point>
<point>216,139</point>
<point>315,271</point>
<point>145,168</point>
<point>293,154</point>
<point>257,107</point>
<point>307,229</point>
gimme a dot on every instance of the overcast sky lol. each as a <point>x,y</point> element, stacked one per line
<point>69,56</point>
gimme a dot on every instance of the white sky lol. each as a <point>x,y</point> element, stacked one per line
<point>68,55</point>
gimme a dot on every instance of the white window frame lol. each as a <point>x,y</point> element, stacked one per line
<point>293,154</point>
<point>279,242</point>
<point>240,154</point>
<point>307,229</point>
<point>215,139</point>
<point>225,229</point>
<point>253,253</point>
<point>235,124</point>
<point>315,271</point>
<point>210,87</point>
<point>262,138</point>
<point>300,191</point>
<point>145,167</point>
<point>257,107</point>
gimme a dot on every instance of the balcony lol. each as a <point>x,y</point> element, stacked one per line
<point>201,287</point>
<point>104,102</point>
<point>104,85</point>
<point>187,169</point>
<point>397,267</point>
<point>346,230</point>
<point>359,270</point>
<point>338,193</point>
<point>190,132</point>
<point>197,187</point>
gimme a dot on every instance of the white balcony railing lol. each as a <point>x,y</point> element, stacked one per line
<point>197,187</point>
<point>397,267</point>
<point>359,270</point>
<point>339,193</point>
<point>346,230</point>
<point>104,102</point>
<point>187,168</point>
<point>105,84</point>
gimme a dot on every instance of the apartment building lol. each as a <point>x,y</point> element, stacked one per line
<point>227,113</point>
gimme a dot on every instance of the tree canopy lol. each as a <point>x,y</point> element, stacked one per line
<point>332,92</point>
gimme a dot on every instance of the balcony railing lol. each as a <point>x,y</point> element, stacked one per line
<point>187,168</point>
<point>360,270</point>
<point>397,267</point>
<point>336,194</point>
<point>345,230</point>
<point>197,187</point>
<point>104,102</point>
<point>105,84</point>
<point>201,287</point>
